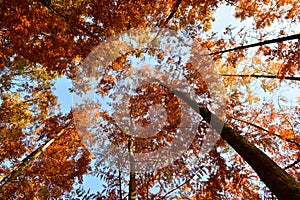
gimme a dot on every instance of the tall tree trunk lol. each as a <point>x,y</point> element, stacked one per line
<point>132,183</point>
<point>275,178</point>
<point>120,181</point>
<point>27,161</point>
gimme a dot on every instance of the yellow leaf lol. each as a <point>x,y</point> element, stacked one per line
<point>252,99</point>
<point>77,58</point>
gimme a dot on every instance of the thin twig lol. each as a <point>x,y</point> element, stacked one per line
<point>261,128</point>
<point>293,164</point>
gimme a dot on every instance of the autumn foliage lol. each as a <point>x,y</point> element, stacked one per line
<point>45,151</point>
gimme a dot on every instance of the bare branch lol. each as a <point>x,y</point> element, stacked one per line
<point>261,76</point>
<point>282,39</point>
<point>261,128</point>
<point>171,15</point>
<point>293,164</point>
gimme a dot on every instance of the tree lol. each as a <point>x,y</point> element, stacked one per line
<point>41,40</point>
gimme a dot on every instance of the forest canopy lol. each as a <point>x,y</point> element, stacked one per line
<point>172,99</point>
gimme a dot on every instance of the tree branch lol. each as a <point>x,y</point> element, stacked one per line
<point>282,39</point>
<point>293,164</point>
<point>261,76</point>
<point>261,128</point>
<point>179,186</point>
<point>171,15</point>
<point>78,26</point>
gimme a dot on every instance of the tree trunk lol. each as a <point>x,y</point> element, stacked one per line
<point>275,178</point>
<point>132,183</point>
<point>20,167</point>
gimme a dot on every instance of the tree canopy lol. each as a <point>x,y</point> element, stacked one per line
<point>218,107</point>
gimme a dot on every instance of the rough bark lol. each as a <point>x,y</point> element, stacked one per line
<point>276,179</point>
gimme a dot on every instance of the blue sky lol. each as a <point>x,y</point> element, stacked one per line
<point>65,98</point>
